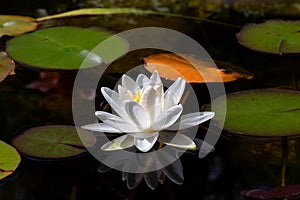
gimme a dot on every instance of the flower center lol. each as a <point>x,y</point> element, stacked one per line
<point>136,97</point>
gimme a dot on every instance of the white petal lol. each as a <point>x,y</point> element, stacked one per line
<point>138,115</point>
<point>122,142</point>
<point>101,127</point>
<point>142,80</point>
<point>129,84</point>
<point>192,119</point>
<point>177,140</point>
<point>155,79</point>
<point>170,100</point>
<point>176,89</point>
<point>148,98</point>
<point>167,118</point>
<point>123,93</point>
<point>155,111</point>
<point>160,94</point>
<point>115,102</point>
<point>145,141</point>
<point>116,122</point>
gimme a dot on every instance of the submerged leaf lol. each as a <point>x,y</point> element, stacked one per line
<point>172,66</point>
<point>14,25</point>
<point>52,141</point>
<point>262,112</point>
<point>7,66</point>
<point>9,160</point>
<point>48,81</point>
<point>273,36</point>
<point>64,48</point>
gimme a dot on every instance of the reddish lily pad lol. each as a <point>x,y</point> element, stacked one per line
<point>172,66</point>
<point>273,36</point>
<point>14,25</point>
<point>262,112</point>
<point>9,160</point>
<point>7,66</point>
<point>287,192</point>
<point>53,141</point>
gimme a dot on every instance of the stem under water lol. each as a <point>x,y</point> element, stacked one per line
<point>284,155</point>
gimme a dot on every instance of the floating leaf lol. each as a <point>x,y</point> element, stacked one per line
<point>95,11</point>
<point>14,25</point>
<point>273,36</point>
<point>172,66</point>
<point>52,141</point>
<point>287,192</point>
<point>7,66</point>
<point>64,48</point>
<point>9,160</point>
<point>110,11</point>
<point>262,112</point>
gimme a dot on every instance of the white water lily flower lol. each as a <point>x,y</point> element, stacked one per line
<point>143,111</point>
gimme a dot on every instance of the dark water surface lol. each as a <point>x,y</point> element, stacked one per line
<point>236,164</point>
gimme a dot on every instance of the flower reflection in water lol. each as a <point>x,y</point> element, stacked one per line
<point>173,171</point>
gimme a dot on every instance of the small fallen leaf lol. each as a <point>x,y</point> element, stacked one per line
<point>7,66</point>
<point>13,25</point>
<point>172,66</point>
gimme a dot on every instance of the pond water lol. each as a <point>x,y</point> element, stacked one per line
<point>236,164</point>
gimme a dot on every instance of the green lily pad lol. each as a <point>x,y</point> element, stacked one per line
<point>53,141</point>
<point>64,48</point>
<point>9,160</point>
<point>273,36</point>
<point>14,25</point>
<point>7,66</point>
<point>262,112</point>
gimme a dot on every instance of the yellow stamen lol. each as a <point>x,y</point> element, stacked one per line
<point>136,97</point>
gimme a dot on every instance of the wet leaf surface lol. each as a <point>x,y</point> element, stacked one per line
<point>52,141</point>
<point>63,48</point>
<point>262,112</point>
<point>172,66</point>
<point>273,36</point>
<point>9,160</point>
<point>7,66</point>
<point>13,25</point>
<point>94,11</point>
